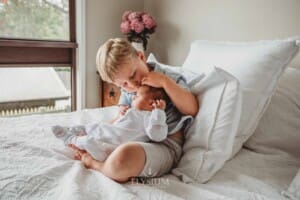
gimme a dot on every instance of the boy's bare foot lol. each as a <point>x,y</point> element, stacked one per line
<point>84,156</point>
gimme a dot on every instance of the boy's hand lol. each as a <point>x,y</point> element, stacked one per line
<point>159,104</point>
<point>154,79</point>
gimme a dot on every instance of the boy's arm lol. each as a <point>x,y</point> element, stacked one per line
<point>184,100</point>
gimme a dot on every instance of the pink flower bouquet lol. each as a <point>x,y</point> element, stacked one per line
<point>137,26</point>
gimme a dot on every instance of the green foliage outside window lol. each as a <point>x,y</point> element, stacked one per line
<point>35,19</point>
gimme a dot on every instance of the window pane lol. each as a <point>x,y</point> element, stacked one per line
<point>34,19</point>
<point>26,91</point>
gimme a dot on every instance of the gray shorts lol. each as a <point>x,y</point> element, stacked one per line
<point>161,157</point>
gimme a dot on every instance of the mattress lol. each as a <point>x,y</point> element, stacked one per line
<point>36,165</point>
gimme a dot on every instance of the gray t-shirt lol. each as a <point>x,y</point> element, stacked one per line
<point>175,119</point>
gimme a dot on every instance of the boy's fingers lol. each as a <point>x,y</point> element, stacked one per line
<point>71,145</point>
<point>144,81</point>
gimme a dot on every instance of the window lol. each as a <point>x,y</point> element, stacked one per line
<point>37,56</point>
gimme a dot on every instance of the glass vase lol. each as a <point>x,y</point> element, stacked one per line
<point>138,46</point>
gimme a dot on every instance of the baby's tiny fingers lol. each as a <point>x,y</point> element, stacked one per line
<point>123,112</point>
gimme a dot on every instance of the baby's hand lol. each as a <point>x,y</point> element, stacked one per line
<point>123,109</point>
<point>159,104</point>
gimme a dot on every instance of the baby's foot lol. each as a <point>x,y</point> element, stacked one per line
<point>59,131</point>
<point>78,130</point>
<point>63,133</point>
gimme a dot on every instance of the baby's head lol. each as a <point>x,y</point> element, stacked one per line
<point>145,96</point>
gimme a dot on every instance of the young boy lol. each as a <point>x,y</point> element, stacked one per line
<point>142,122</point>
<point>118,62</point>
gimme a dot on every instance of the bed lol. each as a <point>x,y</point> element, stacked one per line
<point>35,165</point>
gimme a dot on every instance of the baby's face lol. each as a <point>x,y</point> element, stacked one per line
<point>142,100</point>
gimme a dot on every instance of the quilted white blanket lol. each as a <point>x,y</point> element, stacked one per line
<point>35,165</point>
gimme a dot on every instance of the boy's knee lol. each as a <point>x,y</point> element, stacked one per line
<point>128,159</point>
<point>119,158</point>
<point>126,154</point>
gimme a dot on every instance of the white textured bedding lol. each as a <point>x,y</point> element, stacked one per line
<point>35,165</point>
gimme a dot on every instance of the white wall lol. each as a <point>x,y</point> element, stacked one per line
<point>180,22</point>
<point>103,18</point>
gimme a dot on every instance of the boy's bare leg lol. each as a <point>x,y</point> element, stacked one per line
<point>124,162</point>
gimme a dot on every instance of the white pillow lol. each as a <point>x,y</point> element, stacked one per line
<point>152,58</point>
<point>209,140</point>
<point>293,192</point>
<point>278,130</point>
<point>257,65</point>
<point>191,77</point>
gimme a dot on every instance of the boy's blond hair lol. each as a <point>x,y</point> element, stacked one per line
<point>111,55</point>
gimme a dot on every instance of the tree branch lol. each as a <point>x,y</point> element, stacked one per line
<point>56,7</point>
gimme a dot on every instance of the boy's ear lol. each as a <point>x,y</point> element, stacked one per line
<point>141,55</point>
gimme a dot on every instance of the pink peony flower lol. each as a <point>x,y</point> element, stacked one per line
<point>125,27</point>
<point>125,15</point>
<point>137,26</point>
<point>133,15</point>
<point>148,21</point>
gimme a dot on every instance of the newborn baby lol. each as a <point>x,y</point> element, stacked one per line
<point>144,121</point>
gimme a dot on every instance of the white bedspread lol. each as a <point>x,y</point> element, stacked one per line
<point>35,165</point>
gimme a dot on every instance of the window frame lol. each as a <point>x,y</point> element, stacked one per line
<point>39,53</point>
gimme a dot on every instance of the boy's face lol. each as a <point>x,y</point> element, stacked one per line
<point>142,100</point>
<point>130,74</point>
